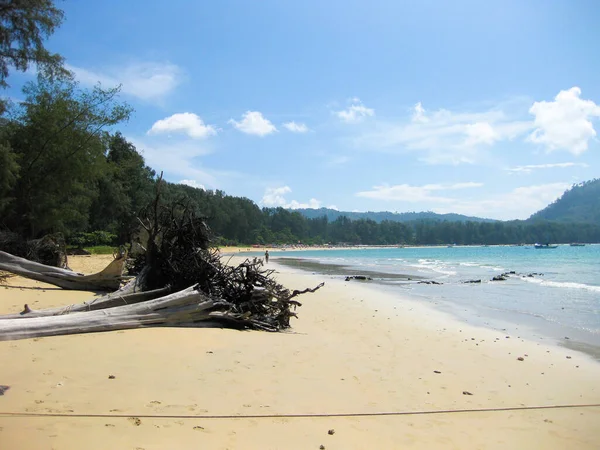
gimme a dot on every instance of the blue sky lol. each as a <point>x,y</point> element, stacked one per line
<point>486,108</point>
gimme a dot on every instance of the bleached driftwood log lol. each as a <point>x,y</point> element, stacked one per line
<point>108,279</point>
<point>118,298</point>
<point>182,308</point>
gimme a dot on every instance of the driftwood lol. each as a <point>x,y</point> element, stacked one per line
<point>107,301</point>
<point>189,307</point>
<point>175,256</point>
<point>108,279</point>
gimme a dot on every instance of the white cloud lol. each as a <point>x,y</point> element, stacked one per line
<point>275,197</point>
<point>177,158</point>
<point>296,127</point>
<point>149,81</point>
<point>520,203</point>
<point>187,123</point>
<point>442,136</point>
<point>355,113</point>
<point>419,113</point>
<point>253,122</point>
<point>313,203</point>
<point>564,124</point>
<point>480,133</point>
<point>531,167</point>
<point>415,194</point>
<point>192,183</point>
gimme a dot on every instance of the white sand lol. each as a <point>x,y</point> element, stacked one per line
<point>354,350</point>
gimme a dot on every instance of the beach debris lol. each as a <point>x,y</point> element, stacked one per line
<point>467,393</point>
<point>358,277</point>
<point>198,427</point>
<point>108,279</point>
<point>3,388</point>
<point>135,421</point>
<point>331,432</point>
<point>436,371</point>
<point>321,447</point>
<point>111,377</point>
<point>568,357</point>
<point>520,358</point>
<point>179,281</point>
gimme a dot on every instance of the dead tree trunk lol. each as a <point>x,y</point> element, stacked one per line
<point>108,279</point>
<point>107,301</point>
<point>189,307</point>
<point>184,307</point>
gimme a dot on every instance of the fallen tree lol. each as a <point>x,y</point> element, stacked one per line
<point>108,279</point>
<point>179,281</point>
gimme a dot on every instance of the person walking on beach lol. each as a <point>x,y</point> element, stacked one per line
<point>267,256</point>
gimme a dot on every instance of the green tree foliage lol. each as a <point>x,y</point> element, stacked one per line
<point>9,169</point>
<point>123,189</point>
<point>59,141</point>
<point>24,25</point>
<point>581,203</point>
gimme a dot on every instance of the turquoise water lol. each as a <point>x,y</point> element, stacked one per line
<point>563,302</point>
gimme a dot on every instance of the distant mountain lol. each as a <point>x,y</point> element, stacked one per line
<point>378,217</point>
<point>581,203</point>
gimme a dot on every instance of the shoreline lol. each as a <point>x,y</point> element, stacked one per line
<point>531,327</point>
<point>353,350</point>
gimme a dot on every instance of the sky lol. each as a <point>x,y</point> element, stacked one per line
<point>488,109</point>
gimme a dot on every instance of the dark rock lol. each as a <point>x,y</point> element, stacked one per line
<point>467,393</point>
<point>436,371</point>
<point>520,358</point>
<point>322,447</point>
<point>472,281</point>
<point>358,277</point>
<point>499,278</point>
<point>111,377</point>
<point>3,389</point>
<point>429,282</point>
<point>331,432</point>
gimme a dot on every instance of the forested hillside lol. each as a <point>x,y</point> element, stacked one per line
<point>64,170</point>
<point>581,203</point>
<point>380,216</point>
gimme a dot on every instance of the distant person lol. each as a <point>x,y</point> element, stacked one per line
<point>267,257</point>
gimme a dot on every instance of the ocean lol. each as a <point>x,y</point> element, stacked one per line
<point>552,294</point>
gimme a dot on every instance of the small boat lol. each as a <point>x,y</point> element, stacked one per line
<point>540,246</point>
<point>577,244</point>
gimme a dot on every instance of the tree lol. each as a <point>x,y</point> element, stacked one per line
<point>9,168</point>
<point>59,139</point>
<point>124,188</point>
<point>24,25</point>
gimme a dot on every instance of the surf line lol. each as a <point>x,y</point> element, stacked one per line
<point>296,416</point>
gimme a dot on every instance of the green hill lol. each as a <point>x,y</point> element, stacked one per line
<point>580,204</point>
<point>380,216</point>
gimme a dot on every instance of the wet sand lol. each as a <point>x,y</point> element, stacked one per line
<point>396,368</point>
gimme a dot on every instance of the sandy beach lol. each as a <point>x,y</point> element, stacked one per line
<point>380,371</point>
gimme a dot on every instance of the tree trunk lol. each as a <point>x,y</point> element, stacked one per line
<point>182,308</point>
<point>108,279</point>
<point>107,301</point>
